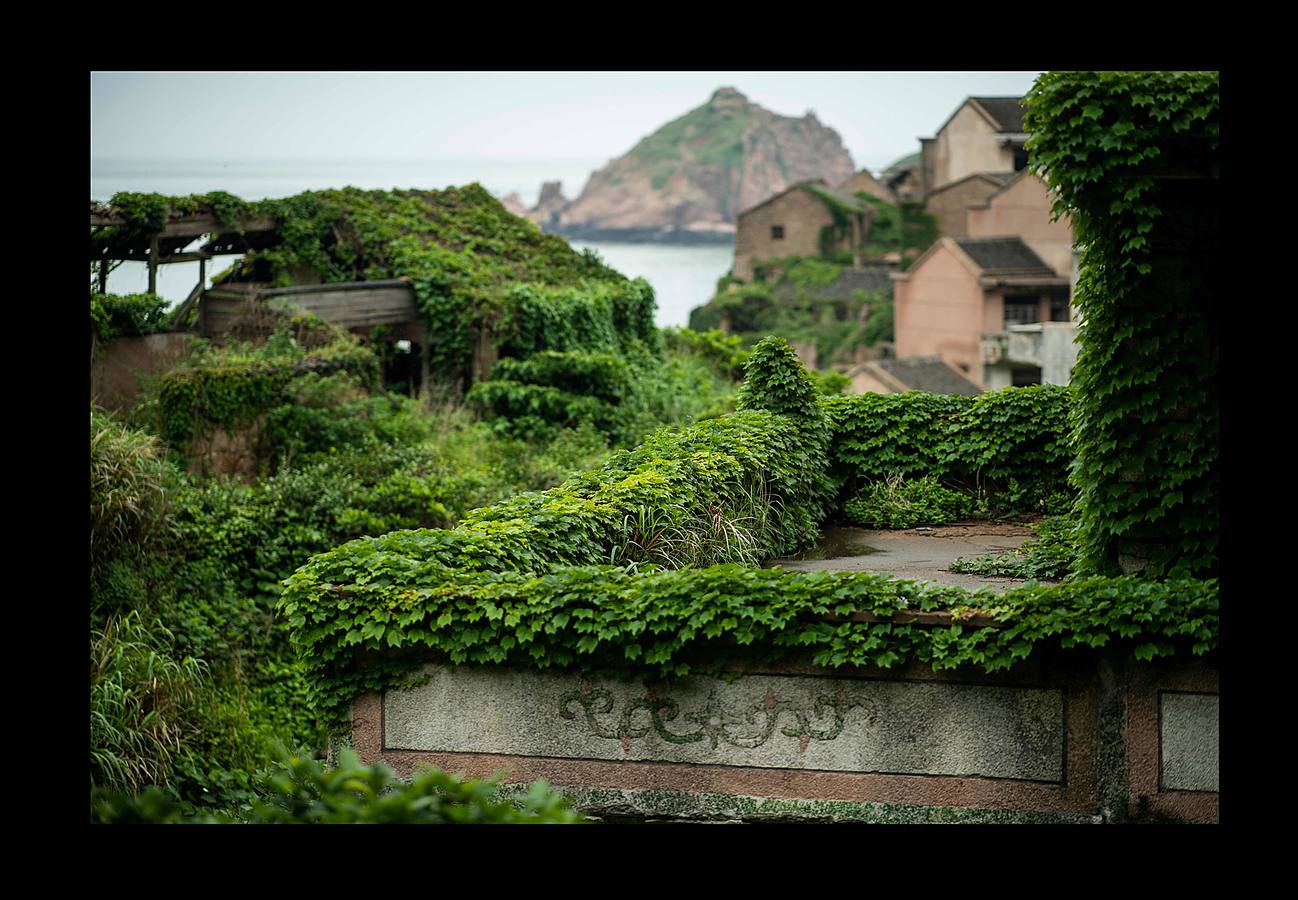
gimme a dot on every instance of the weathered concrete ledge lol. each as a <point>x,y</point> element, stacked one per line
<point>1057,739</point>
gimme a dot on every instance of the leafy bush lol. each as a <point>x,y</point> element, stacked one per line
<point>724,351</point>
<point>302,792</point>
<point>126,315</point>
<point>899,503</point>
<point>230,387</point>
<point>799,300</point>
<point>320,414</point>
<point>1051,554</point>
<point>1012,447</point>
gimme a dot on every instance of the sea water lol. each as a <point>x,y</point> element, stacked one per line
<point>682,277</point>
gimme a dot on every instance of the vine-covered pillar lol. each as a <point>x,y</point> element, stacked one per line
<point>1178,299</point>
<point>1133,160</point>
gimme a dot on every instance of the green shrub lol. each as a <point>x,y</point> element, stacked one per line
<point>320,414</point>
<point>1012,447</point>
<point>302,792</point>
<point>129,478</point>
<point>1052,554</point>
<point>899,503</point>
<point>624,395</point>
<point>230,387</point>
<point>724,351</point>
<point>126,315</point>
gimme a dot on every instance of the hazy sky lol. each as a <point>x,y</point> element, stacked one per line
<point>505,116</point>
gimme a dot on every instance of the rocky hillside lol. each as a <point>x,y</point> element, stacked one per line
<point>691,178</point>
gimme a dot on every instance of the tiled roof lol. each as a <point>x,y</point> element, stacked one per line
<point>1007,111</point>
<point>1000,255</point>
<point>928,373</point>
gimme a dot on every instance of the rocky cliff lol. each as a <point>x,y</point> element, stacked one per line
<point>692,177</point>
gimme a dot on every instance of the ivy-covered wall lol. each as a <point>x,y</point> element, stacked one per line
<point>1133,157</point>
<point>528,581</point>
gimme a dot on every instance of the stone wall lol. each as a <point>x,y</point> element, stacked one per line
<point>116,370</point>
<point>801,215</point>
<point>1069,736</point>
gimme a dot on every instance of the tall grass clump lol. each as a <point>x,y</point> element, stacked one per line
<point>129,480</point>
<point>142,705</point>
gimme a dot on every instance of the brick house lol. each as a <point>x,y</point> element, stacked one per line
<point>808,219</point>
<point>865,183</point>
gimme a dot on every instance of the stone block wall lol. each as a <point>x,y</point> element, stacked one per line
<point>1072,737</point>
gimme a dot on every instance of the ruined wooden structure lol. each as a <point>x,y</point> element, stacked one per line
<point>213,312</point>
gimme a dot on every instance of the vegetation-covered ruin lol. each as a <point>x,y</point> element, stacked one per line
<point>605,496</point>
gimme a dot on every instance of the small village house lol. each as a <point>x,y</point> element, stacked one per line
<point>865,183</point>
<point>949,204</point>
<point>808,219</point>
<point>963,297</point>
<point>985,134</point>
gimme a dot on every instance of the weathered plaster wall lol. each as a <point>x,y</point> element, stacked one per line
<point>116,370</point>
<point>1054,739</point>
<point>939,311</point>
<point>765,721</point>
<point>1023,209</point>
<point>966,145</point>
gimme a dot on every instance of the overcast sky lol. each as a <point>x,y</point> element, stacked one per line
<point>504,116</point>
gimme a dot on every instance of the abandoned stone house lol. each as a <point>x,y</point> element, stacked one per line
<point>808,219</point>
<point>865,183</point>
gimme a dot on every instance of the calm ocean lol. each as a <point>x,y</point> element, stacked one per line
<point>682,277</point>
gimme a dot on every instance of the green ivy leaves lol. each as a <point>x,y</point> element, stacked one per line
<point>1146,424</point>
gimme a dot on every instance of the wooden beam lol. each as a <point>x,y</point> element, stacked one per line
<point>153,264</point>
<point>177,320</point>
<point>192,256</point>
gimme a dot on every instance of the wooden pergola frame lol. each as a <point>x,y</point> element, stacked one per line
<point>123,244</point>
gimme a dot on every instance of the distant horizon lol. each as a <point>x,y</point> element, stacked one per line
<point>560,117</point>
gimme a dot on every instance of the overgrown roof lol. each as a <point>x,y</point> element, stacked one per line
<point>844,287</point>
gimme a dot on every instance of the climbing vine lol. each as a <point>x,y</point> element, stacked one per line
<point>1133,158</point>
